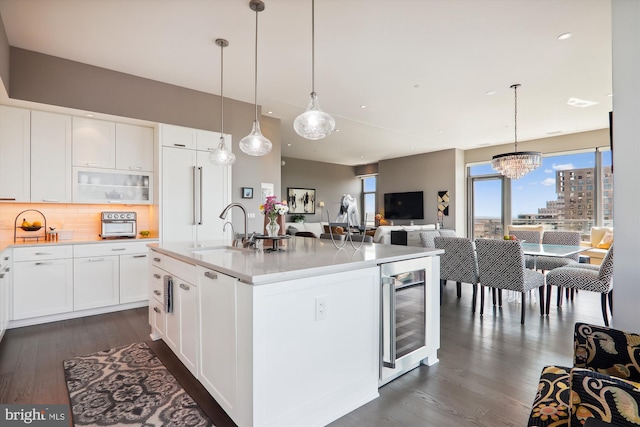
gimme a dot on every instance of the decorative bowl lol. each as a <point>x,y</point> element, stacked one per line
<point>32,228</point>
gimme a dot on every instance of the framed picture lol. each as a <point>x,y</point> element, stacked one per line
<point>266,188</point>
<point>301,200</point>
<point>247,192</point>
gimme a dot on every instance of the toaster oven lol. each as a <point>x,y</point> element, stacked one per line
<point>118,225</point>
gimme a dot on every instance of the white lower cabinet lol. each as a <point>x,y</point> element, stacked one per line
<point>5,290</point>
<point>96,282</point>
<point>218,327</point>
<point>133,277</point>
<point>182,323</point>
<point>44,285</point>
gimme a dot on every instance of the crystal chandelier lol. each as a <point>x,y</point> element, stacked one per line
<point>314,123</point>
<point>519,163</point>
<point>256,144</point>
<point>222,156</point>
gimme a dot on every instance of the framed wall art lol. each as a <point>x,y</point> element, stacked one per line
<point>247,192</point>
<point>301,200</point>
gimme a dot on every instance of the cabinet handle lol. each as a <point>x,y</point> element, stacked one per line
<point>1,275</point>
<point>156,309</point>
<point>44,253</point>
<point>157,259</point>
<point>179,145</point>
<point>183,286</point>
<point>156,275</point>
<point>44,263</point>
<point>8,199</point>
<point>119,249</point>
<point>139,256</point>
<point>93,164</point>
<point>210,275</point>
<point>157,292</point>
<point>6,258</point>
<point>195,194</point>
<point>7,269</point>
<point>50,200</point>
<point>135,168</point>
<point>96,259</point>
<point>201,199</point>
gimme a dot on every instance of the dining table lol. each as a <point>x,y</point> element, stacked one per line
<point>545,249</point>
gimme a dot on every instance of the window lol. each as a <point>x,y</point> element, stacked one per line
<point>369,184</point>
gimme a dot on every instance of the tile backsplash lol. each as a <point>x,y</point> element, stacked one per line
<point>83,219</point>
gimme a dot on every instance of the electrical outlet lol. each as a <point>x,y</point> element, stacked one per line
<point>321,308</point>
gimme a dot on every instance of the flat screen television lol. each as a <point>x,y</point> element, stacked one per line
<point>407,205</point>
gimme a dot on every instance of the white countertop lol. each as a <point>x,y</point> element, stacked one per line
<point>4,244</point>
<point>303,257</point>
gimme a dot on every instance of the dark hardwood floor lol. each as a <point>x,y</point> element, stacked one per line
<point>487,374</point>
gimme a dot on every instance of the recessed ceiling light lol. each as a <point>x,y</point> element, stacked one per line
<point>440,131</point>
<point>582,103</point>
<point>413,146</point>
<point>289,145</point>
<point>336,130</point>
<point>269,112</point>
<point>89,115</point>
<point>491,92</point>
<point>362,157</point>
<point>564,36</point>
<point>363,106</point>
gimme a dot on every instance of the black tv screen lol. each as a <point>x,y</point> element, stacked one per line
<point>404,205</point>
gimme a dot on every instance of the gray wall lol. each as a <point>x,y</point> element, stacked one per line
<point>4,57</point>
<point>330,181</point>
<point>430,172</point>
<point>626,158</point>
<point>55,81</point>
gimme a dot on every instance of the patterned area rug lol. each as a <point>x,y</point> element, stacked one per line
<point>128,386</point>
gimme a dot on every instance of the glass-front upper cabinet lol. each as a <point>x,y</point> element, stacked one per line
<point>112,186</point>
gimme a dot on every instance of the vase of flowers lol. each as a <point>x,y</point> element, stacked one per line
<point>272,209</point>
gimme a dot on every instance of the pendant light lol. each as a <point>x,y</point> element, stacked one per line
<point>517,164</point>
<point>314,123</point>
<point>256,144</point>
<point>222,156</point>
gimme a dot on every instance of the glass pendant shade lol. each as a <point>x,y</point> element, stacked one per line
<point>518,164</point>
<point>314,123</point>
<point>221,156</point>
<point>255,144</point>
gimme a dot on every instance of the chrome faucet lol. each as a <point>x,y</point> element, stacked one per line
<point>245,241</point>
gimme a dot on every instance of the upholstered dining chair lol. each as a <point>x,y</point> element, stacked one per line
<point>426,238</point>
<point>446,232</point>
<point>529,236</point>
<point>501,265</point>
<point>585,277</point>
<point>458,263</point>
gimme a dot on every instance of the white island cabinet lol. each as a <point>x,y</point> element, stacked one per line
<point>286,338</point>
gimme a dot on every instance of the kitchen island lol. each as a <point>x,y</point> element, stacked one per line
<point>285,338</point>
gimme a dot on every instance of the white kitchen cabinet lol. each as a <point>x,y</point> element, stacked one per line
<point>96,282</point>
<point>43,281</point>
<point>94,143</point>
<point>15,154</point>
<point>5,290</point>
<point>133,277</point>
<point>50,157</point>
<point>207,140</point>
<point>112,186</point>
<point>182,323</point>
<point>218,328</point>
<point>134,147</point>
<point>178,136</point>
<point>194,192</point>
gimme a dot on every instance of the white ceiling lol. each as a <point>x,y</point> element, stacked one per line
<point>422,67</point>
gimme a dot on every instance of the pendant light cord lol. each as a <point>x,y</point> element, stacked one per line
<point>255,81</point>
<point>313,47</point>
<point>222,89</point>
<point>515,114</point>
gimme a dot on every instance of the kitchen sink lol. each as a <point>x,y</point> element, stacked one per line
<point>217,249</point>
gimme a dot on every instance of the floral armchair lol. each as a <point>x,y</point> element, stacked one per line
<point>603,384</point>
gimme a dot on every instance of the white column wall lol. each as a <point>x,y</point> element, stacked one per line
<point>626,158</point>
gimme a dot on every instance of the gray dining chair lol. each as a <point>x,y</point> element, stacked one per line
<point>568,238</point>
<point>501,265</point>
<point>426,238</point>
<point>459,263</point>
<point>586,278</point>
<point>529,236</point>
<point>446,232</point>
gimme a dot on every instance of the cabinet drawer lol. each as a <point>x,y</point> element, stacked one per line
<point>35,253</point>
<point>104,249</point>
<point>181,269</point>
<point>157,284</point>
